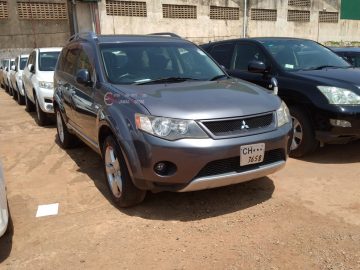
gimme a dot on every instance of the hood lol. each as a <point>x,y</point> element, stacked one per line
<point>203,100</point>
<point>45,76</point>
<point>333,76</point>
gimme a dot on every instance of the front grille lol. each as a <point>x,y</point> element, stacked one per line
<point>240,125</point>
<point>233,164</point>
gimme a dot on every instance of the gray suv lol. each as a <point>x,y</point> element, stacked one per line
<point>164,116</point>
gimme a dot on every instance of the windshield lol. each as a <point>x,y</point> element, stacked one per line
<point>23,63</point>
<point>47,61</point>
<point>140,63</point>
<point>294,55</point>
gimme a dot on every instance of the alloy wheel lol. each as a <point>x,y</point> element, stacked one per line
<point>113,171</point>
<point>298,134</point>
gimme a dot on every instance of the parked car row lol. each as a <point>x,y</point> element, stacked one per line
<point>165,116</point>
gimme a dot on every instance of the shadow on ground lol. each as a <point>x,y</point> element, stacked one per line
<point>179,206</point>
<point>6,241</point>
<point>336,154</point>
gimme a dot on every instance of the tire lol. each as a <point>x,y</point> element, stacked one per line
<point>121,187</point>
<point>29,106</point>
<point>14,93</point>
<point>65,138</point>
<point>20,98</point>
<point>304,141</point>
<point>41,117</point>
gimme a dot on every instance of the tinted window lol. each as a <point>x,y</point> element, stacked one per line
<point>135,63</point>
<point>353,59</point>
<point>245,53</point>
<point>47,61</point>
<point>23,61</point>
<point>70,61</point>
<point>84,62</point>
<point>302,54</point>
<point>223,53</point>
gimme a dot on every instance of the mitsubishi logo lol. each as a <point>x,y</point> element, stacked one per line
<point>244,125</point>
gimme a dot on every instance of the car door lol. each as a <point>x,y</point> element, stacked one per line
<point>66,82</point>
<point>84,106</point>
<point>244,53</point>
<point>27,76</point>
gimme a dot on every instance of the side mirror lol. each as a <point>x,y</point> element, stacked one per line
<point>6,69</point>
<point>257,67</point>
<point>83,77</point>
<point>31,68</point>
<point>275,85</point>
<point>13,67</point>
<point>1,67</point>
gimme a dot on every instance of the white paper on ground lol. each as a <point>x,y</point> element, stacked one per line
<point>47,210</point>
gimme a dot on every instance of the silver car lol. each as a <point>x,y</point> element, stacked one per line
<point>4,214</point>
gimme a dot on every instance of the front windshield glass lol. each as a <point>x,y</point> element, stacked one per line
<point>134,63</point>
<point>293,55</point>
<point>23,63</point>
<point>48,60</point>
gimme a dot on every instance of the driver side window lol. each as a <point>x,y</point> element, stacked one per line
<point>245,53</point>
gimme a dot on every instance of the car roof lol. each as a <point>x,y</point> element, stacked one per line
<point>138,38</point>
<point>346,49</point>
<point>258,39</point>
<point>49,49</point>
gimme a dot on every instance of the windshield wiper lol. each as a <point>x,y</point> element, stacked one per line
<point>323,66</point>
<point>166,80</point>
<point>219,77</point>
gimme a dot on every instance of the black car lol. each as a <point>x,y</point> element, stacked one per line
<point>350,54</point>
<point>320,88</point>
<point>165,116</point>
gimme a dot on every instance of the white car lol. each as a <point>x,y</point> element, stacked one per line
<point>38,83</point>
<point>5,68</point>
<point>8,70</point>
<point>4,213</point>
<point>16,78</point>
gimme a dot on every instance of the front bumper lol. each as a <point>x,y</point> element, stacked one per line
<point>328,133</point>
<point>45,98</point>
<point>206,163</point>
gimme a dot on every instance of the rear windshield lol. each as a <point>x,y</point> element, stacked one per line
<point>133,63</point>
<point>47,61</point>
<point>23,62</point>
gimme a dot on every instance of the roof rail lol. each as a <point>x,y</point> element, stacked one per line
<point>83,35</point>
<point>165,34</point>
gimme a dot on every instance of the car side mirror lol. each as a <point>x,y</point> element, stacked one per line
<point>257,67</point>
<point>83,77</point>
<point>6,69</point>
<point>13,67</point>
<point>1,67</point>
<point>31,68</point>
<point>275,85</point>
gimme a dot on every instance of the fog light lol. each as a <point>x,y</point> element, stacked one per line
<point>49,107</point>
<point>165,168</point>
<point>160,167</point>
<point>340,123</point>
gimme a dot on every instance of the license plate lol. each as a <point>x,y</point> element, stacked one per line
<point>252,154</point>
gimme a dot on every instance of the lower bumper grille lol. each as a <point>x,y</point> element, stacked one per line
<point>233,164</point>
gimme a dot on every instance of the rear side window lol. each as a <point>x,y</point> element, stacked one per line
<point>223,54</point>
<point>70,61</point>
<point>48,60</point>
<point>245,53</point>
<point>23,62</point>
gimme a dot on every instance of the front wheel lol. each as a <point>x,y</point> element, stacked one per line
<point>66,139</point>
<point>29,106</point>
<point>304,141</point>
<point>41,117</point>
<point>123,191</point>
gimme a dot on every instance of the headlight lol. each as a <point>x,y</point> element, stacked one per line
<point>46,85</point>
<point>339,96</point>
<point>282,115</point>
<point>168,128</point>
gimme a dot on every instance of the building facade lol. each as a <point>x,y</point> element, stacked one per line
<point>41,23</point>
